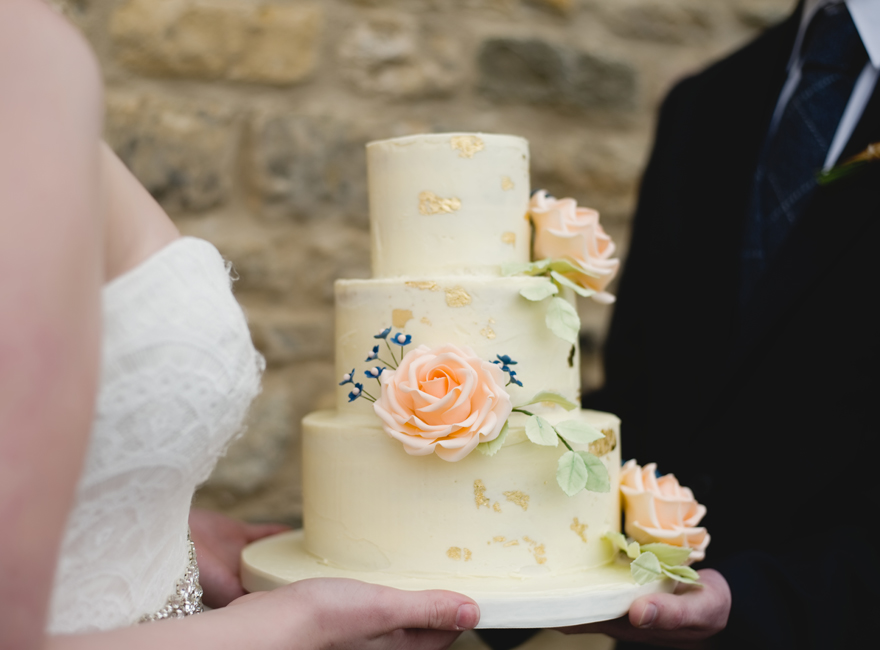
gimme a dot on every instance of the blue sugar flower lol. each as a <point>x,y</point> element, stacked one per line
<point>373,373</point>
<point>513,379</point>
<point>355,392</point>
<point>506,360</point>
<point>374,354</point>
<point>401,339</point>
<point>347,378</point>
<point>383,334</point>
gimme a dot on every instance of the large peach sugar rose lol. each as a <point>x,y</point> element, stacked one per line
<point>565,231</point>
<point>446,400</point>
<point>661,510</point>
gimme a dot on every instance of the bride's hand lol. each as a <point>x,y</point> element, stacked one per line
<point>219,541</point>
<point>340,613</point>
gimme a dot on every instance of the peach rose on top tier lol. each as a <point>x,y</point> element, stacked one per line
<point>446,400</point>
<point>661,510</point>
<point>565,231</point>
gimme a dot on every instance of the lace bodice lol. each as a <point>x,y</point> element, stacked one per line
<point>178,373</point>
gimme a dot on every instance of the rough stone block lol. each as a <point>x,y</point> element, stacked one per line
<point>391,55</point>
<point>285,336</point>
<point>309,167</point>
<point>259,42</point>
<point>537,72</point>
<point>182,153</point>
<point>662,22</point>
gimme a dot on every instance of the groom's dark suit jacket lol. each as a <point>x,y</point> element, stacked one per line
<point>769,411</point>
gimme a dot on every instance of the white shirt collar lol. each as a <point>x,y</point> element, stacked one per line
<point>865,15</point>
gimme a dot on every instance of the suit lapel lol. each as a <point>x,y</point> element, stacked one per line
<point>836,216</point>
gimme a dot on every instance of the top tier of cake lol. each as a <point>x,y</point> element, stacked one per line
<point>448,204</point>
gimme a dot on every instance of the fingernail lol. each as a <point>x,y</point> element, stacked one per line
<point>648,616</point>
<point>467,617</point>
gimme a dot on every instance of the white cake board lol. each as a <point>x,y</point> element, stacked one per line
<point>534,602</point>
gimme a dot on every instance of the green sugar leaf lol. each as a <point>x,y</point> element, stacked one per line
<point>646,568</point>
<point>633,550</point>
<point>491,448</point>
<point>555,398</point>
<point>579,432</point>
<point>574,286</point>
<point>567,266</point>
<point>681,573</point>
<point>571,473</point>
<point>541,432</point>
<point>539,291</point>
<point>563,320</point>
<point>598,481</point>
<point>667,554</point>
<point>617,539</point>
<point>515,268</point>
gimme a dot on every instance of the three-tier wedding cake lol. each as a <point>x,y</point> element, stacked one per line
<point>456,456</point>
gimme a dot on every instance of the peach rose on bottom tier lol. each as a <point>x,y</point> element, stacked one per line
<point>565,231</point>
<point>661,510</point>
<point>446,401</point>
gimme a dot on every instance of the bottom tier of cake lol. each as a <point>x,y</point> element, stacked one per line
<point>369,506</point>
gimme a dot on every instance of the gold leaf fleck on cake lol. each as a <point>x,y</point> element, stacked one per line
<point>467,145</point>
<point>454,553</point>
<point>430,203</point>
<point>508,238</point>
<point>506,183</point>
<point>539,553</point>
<point>499,539</point>
<point>604,445</point>
<point>519,498</point>
<point>467,555</point>
<point>457,297</point>
<point>580,529</point>
<point>400,317</point>
<point>513,542</point>
<point>529,541</point>
<point>480,497</point>
<point>425,321</point>
<point>496,507</point>
<point>424,285</point>
<point>488,332</point>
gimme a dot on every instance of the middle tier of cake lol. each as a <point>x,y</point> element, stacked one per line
<point>486,314</point>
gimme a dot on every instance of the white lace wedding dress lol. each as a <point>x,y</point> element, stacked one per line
<point>178,373</point>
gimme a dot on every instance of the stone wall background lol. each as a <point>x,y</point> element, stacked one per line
<point>247,120</point>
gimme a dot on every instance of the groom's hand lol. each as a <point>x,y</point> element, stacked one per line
<point>219,541</point>
<point>686,619</point>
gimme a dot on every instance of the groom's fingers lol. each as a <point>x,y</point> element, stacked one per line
<point>703,608</point>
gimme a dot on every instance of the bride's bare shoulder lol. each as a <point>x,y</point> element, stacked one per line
<point>41,52</point>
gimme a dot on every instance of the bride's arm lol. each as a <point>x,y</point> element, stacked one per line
<point>50,279</point>
<point>308,615</point>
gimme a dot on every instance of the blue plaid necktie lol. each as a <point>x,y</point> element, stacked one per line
<point>832,57</point>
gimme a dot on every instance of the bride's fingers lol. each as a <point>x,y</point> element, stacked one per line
<point>434,610</point>
<point>253,532</point>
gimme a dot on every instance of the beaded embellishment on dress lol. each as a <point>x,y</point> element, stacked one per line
<point>187,597</point>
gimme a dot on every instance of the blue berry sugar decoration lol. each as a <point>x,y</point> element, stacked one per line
<point>401,339</point>
<point>347,378</point>
<point>374,354</point>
